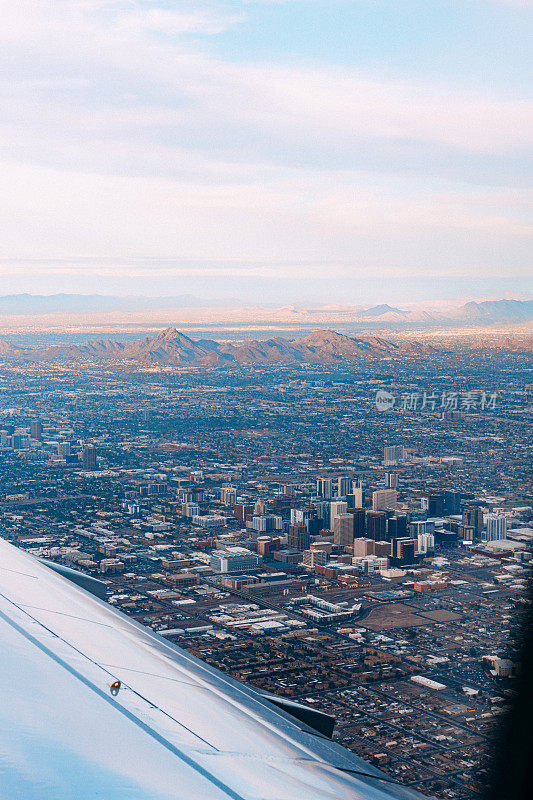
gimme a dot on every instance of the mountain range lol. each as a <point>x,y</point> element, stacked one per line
<point>487,312</point>
<point>174,349</point>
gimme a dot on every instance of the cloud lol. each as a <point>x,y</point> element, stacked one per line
<point>134,79</point>
<point>174,21</point>
<point>281,223</point>
<point>124,136</point>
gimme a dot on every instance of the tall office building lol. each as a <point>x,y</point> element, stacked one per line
<point>403,550</point>
<point>260,506</point>
<point>357,497</point>
<point>343,486</point>
<point>262,523</point>
<point>228,496</point>
<point>241,511</point>
<point>474,517</point>
<point>234,559</point>
<point>343,530</point>
<point>393,453</point>
<point>190,509</point>
<point>359,521</point>
<point>298,537</point>
<point>426,543</point>
<point>323,511</point>
<point>36,429</point>
<point>314,526</point>
<point>392,480</point>
<point>88,458</point>
<point>303,515</point>
<point>267,545</point>
<point>419,526</point>
<point>467,533</point>
<point>324,488</point>
<point>496,527</point>
<point>376,525</point>
<point>397,526</point>
<point>63,449</point>
<point>384,498</point>
<point>433,503</point>
<point>452,502</point>
<point>337,507</point>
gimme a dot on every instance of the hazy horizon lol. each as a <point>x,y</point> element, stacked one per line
<point>275,296</point>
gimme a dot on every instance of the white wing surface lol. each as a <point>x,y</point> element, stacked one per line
<point>177,728</point>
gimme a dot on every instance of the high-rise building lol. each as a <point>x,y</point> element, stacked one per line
<point>452,502</point>
<point>363,547</point>
<point>357,497</point>
<point>343,486</point>
<point>403,550</point>
<point>88,458</point>
<point>433,503</point>
<point>323,510</point>
<point>426,543</point>
<point>36,429</point>
<point>397,526</point>
<point>359,521</point>
<point>242,511</point>
<point>384,498</point>
<point>262,523</point>
<point>393,453</point>
<point>473,516</point>
<point>63,449</point>
<point>190,510</point>
<point>382,548</point>
<point>419,526</point>
<point>343,530</point>
<point>324,488</point>
<point>228,496</point>
<point>298,537</point>
<point>260,507</point>
<point>337,507</point>
<point>392,480</point>
<point>314,525</point>
<point>376,525</point>
<point>303,515</point>
<point>496,527</point>
<point>467,533</point>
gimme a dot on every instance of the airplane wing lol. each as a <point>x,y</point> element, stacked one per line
<point>95,705</point>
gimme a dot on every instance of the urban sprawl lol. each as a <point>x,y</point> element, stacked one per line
<point>279,523</point>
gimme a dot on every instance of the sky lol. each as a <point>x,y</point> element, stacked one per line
<point>291,151</point>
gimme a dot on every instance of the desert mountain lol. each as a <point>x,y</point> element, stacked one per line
<point>492,311</point>
<point>170,347</point>
<point>379,311</point>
